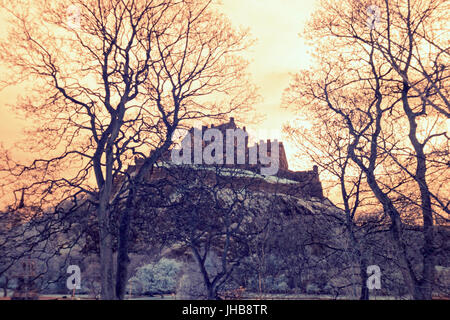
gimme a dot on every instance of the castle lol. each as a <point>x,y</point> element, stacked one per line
<point>284,181</point>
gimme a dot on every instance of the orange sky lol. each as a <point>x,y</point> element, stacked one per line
<point>278,52</point>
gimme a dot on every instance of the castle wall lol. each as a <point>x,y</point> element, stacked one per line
<point>302,183</point>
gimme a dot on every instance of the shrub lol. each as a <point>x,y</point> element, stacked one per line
<point>312,288</point>
<point>156,278</point>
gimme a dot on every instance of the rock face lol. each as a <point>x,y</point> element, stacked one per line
<point>195,200</point>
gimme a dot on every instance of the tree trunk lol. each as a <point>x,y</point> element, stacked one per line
<point>5,287</point>
<point>396,223</point>
<point>123,259</point>
<point>363,273</point>
<point>211,293</point>
<point>423,287</point>
<point>106,255</point>
<point>107,267</point>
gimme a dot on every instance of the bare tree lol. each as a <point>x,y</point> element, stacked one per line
<point>327,148</point>
<point>364,86</point>
<point>115,82</point>
<point>211,212</point>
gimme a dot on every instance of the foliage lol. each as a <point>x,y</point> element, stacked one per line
<point>159,277</point>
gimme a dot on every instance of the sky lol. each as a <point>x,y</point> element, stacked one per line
<point>278,52</point>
